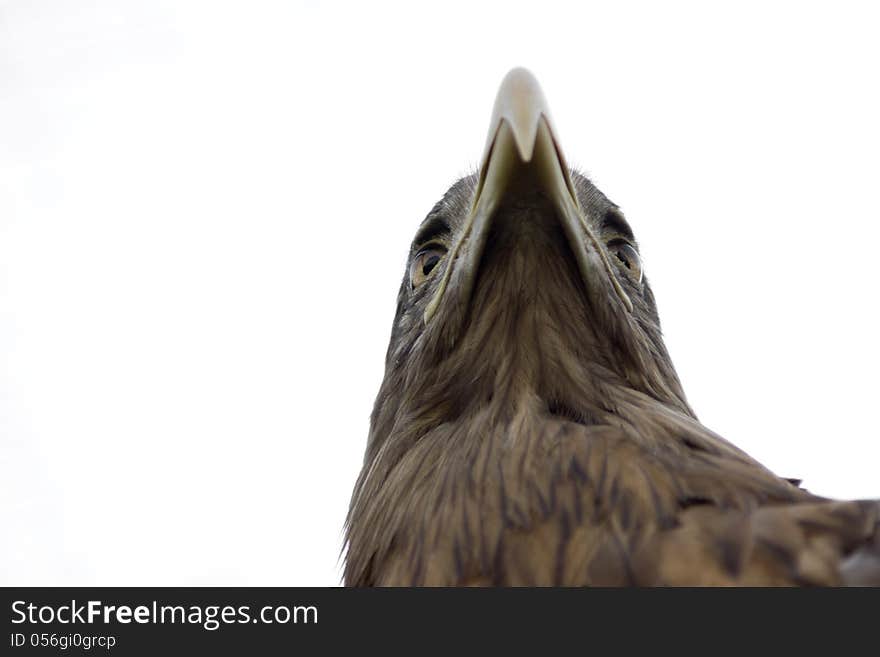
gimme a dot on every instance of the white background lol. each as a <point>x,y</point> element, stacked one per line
<point>205,210</point>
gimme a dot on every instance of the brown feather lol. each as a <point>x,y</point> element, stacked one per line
<point>530,436</point>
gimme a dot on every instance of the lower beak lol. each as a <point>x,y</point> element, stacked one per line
<point>522,155</point>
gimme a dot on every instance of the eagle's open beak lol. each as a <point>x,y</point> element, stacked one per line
<point>522,155</point>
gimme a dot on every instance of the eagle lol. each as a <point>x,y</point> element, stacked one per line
<point>531,430</point>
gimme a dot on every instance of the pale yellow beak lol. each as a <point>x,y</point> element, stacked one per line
<point>522,153</point>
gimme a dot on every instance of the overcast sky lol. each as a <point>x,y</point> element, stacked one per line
<point>205,210</point>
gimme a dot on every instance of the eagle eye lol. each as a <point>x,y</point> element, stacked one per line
<point>424,263</point>
<point>628,258</point>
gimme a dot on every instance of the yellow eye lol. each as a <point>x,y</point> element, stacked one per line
<point>424,263</point>
<point>628,258</point>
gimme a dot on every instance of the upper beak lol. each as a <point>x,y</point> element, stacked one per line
<point>522,154</point>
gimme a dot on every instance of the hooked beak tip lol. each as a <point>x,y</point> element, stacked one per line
<point>520,104</point>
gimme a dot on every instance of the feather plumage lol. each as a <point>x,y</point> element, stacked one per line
<point>534,431</point>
